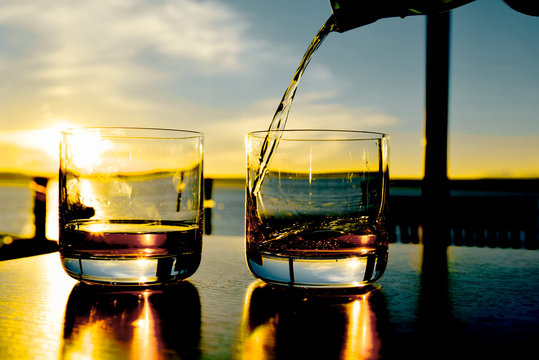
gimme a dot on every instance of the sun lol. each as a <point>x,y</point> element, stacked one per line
<point>48,139</point>
<point>33,151</point>
<point>86,149</point>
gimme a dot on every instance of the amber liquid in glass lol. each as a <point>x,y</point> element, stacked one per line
<point>130,252</point>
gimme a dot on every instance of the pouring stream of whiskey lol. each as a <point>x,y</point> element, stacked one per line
<point>278,122</point>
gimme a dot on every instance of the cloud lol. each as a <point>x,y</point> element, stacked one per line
<point>106,49</point>
<point>79,32</point>
<point>121,63</point>
<point>225,138</point>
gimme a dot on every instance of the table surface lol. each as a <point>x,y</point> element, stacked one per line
<point>484,303</point>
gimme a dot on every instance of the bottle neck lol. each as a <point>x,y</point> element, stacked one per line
<point>524,6</point>
<point>350,14</point>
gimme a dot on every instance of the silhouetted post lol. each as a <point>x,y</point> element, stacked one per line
<point>435,182</point>
<point>434,315</point>
<point>208,192</point>
<point>40,207</point>
<point>435,191</point>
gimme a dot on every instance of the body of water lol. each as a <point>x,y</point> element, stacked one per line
<point>17,199</point>
<point>17,217</point>
<point>227,214</point>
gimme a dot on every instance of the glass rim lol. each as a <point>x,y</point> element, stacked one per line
<point>353,135</point>
<point>138,132</point>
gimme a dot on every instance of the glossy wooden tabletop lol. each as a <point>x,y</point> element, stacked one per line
<point>483,304</point>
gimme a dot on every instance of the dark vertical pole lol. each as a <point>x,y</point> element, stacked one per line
<point>435,183</point>
<point>40,207</point>
<point>208,191</point>
<point>434,311</point>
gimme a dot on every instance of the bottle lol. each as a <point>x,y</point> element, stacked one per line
<point>350,14</point>
<point>524,6</point>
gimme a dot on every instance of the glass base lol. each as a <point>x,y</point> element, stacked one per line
<point>327,272</point>
<point>132,271</point>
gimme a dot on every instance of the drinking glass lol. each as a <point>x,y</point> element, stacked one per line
<point>130,207</point>
<point>318,217</point>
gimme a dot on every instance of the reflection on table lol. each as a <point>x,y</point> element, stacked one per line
<point>139,323</point>
<point>289,323</point>
<point>468,302</point>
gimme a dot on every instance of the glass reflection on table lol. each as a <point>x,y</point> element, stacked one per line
<point>136,323</point>
<point>280,322</point>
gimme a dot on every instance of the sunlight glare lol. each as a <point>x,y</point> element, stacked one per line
<point>87,150</point>
<point>354,263</point>
<point>48,139</point>
<point>145,342</point>
<point>35,151</point>
<point>361,341</point>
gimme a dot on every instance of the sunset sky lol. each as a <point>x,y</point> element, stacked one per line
<point>221,67</point>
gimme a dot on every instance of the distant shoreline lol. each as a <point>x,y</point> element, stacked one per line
<point>16,176</point>
<point>527,185</point>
